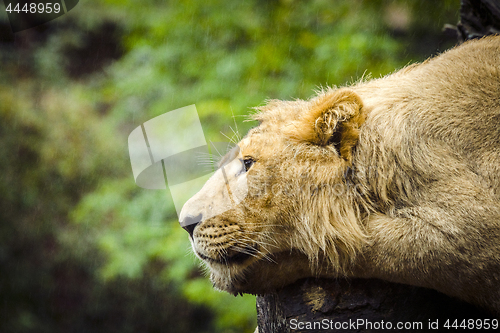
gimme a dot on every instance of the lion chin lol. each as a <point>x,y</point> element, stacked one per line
<point>259,276</point>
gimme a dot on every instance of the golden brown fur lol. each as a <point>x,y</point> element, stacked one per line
<point>396,178</point>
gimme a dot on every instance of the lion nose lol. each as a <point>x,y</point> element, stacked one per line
<point>190,222</point>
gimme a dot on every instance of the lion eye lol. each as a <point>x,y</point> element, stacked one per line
<point>248,162</point>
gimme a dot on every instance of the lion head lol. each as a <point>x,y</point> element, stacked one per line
<point>281,203</point>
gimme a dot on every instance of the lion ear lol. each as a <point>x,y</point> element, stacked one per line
<point>334,119</point>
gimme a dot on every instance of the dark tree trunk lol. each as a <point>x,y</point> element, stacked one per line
<point>478,18</point>
<point>360,305</point>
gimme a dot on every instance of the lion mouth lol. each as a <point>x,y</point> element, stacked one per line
<point>239,257</point>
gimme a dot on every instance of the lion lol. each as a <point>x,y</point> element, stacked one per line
<point>396,178</point>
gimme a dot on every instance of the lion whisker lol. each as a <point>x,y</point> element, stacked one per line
<point>237,132</point>
<point>230,138</point>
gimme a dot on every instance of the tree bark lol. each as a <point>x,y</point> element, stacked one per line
<point>478,18</point>
<point>359,305</point>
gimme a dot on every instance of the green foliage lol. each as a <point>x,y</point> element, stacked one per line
<point>82,247</point>
<point>192,53</point>
<point>140,229</point>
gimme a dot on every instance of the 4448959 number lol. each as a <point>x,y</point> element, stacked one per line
<point>35,8</point>
<point>485,324</point>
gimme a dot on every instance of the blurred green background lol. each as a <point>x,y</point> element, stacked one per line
<point>82,248</point>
